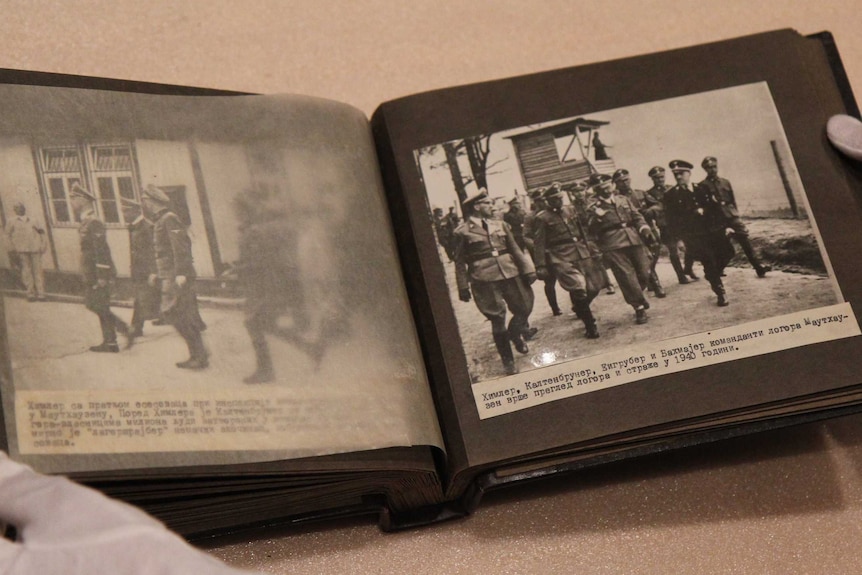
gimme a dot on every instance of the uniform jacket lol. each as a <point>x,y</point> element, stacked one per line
<point>616,223</point>
<point>692,212</point>
<point>96,261</point>
<point>173,247</point>
<point>475,249</point>
<point>559,237</point>
<point>515,219</point>
<point>530,229</point>
<point>143,254</point>
<point>638,198</point>
<point>723,193</point>
<point>24,235</point>
<point>655,205</point>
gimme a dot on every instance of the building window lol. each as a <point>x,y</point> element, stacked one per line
<point>113,178</point>
<point>61,169</point>
<point>108,173</point>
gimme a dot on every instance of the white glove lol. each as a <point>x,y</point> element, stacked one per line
<point>67,529</point>
<point>845,133</point>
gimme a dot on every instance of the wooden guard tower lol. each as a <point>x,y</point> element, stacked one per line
<point>566,152</point>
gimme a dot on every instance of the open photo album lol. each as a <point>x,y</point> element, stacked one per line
<point>241,310</point>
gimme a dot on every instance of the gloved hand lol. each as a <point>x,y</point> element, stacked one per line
<point>845,133</point>
<point>464,294</point>
<point>67,529</point>
<point>648,237</point>
<point>542,272</point>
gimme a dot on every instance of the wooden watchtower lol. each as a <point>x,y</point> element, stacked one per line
<point>566,152</point>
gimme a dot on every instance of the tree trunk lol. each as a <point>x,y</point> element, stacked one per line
<point>455,170</point>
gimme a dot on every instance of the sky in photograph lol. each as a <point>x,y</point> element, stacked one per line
<point>734,124</point>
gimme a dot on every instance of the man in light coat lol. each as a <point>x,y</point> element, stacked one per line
<point>27,243</point>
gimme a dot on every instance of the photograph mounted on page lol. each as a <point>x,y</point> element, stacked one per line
<point>588,252</point>
<point>217,282</point>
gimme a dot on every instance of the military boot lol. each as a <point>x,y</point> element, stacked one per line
<point>722,295</point>
<point>265,371</point>
<point>501,340</point>
<point>592,330</point>
<point>656,286</point>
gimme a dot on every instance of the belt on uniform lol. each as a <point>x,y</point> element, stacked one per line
<point>562,242</point>
<point>485,256</point>
<point>619,226</point>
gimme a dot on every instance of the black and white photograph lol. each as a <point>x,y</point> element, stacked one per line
<point>586,235</point>
<point>200,274</point>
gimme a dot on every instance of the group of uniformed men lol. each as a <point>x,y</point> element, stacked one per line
<point>162,271</point>
<point>614,226</point>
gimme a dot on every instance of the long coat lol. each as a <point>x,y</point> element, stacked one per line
<point>96,261</point>
<point>142,250</point>
<point>695,216</point>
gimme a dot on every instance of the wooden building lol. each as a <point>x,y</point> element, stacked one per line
<point>566,152</point>
<point>114,147</point>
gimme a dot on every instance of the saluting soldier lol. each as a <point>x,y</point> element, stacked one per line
<point>176,275</point>
<point>622,233</point>
<point>489,263</point>
<point>694,215</point>
<point>623,183</point>
<point>97,268</point>
<point>142,256</point>
<point>655,212</point>
<point>562,246</point>
<point>721,189</point>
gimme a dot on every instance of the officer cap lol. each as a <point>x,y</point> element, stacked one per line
<point>155,195</point>
<point>537,193</point>
<point>598,179</point>
<point>480,195</point>
<point>707,161</point>
<point>129,202</point>
<point>680,166</point>
<point>80,191</point>
<point>553,191</point>
<point>514,201</point>
<point>578,187</point>
<point>655,171</point>
<point>621,175</point>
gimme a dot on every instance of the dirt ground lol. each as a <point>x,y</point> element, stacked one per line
<point>797,282</point>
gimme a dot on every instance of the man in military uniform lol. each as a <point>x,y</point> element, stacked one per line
<point>27,242</point>
<point>622,233</point>
<point>97,268</point>
<point>623,184</point>
<point>450,222</point>
<point>176,274</point>
<point>562,245</point>
<point>721,189</point>
<point>515,218</point>
<point>580,201</point>
<point>142,258</point>
<point>655,212</point>
<point>489,263</point>
<point>550,280</point>
<point>694,215</point>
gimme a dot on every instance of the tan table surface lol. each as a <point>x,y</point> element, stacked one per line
<point>789,502</point>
